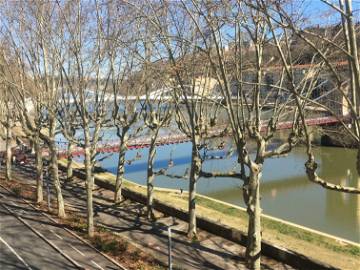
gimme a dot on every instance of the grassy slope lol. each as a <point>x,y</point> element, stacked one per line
<point>328,250</point>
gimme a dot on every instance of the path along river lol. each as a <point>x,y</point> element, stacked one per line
<point>286,192</point>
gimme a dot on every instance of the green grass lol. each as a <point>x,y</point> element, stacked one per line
<point>267,224</point>
<point>227,210</point>
<point>282,228</point>
<point>310,237</point>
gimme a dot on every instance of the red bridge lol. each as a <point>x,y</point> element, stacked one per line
<point>113,146</point>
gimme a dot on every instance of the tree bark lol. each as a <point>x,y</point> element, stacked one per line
<point>253,248</point>
<point>120,173</point>
<point>358,160</point>
<point>69,168</point>
<point>194,175</point>
<point>353,50</point>
<point>55,178</point>
<point>150,177</point>
<point>8,160</point>
<point>89,190</point>
<point>39,170</point>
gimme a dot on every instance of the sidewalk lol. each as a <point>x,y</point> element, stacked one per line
<point>128,221</point>
<point>43,243</point>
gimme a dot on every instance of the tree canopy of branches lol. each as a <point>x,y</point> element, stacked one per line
<point>202,66</point>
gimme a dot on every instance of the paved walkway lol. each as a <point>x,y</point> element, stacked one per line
<point>43,243</point>
<point>128,220</point>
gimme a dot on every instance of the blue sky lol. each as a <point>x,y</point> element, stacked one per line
<point>321,13</point>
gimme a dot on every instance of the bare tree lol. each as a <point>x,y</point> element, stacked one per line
<point>7,120</point>
<point>126,86</point>
<point>68,118</point>
<point>85,80</point>
<point>33,41</point>
<point>33,134</point>
<point>157,115</point>
<point>191,80</point>
<point>341,41</point>
<point>125,116</point>
<point>11,79</point>
<point>236,44</point>
<point>156,102</point>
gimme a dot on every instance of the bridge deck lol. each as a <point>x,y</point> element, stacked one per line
<point>113,146</point>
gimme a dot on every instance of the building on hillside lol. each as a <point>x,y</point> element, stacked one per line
<point>324,90</point>
<point>204,86</point>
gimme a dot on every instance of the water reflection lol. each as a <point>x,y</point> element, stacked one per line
<point>286,192</point>
<point>342,209</point>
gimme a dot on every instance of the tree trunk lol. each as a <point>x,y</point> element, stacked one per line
<point>253,248</point>
<point>89,190</point>
<point>32,146</point>
<point>39,170</point>
<point>354,52</point>
<point>120,174</point>
<point>69,168</point>
<point>8,150</point>
<point>55,178</point>
<point>150,177</point>
<point>194,175</point>
<point>358,160</point>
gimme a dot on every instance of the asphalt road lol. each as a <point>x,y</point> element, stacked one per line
<point>30,240</point>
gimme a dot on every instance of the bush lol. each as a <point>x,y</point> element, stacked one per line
<point>112,246</point>
<point>17,190</point>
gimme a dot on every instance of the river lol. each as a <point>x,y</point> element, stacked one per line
<point>286,192</point>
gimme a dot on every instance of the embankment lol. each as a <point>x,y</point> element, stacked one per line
<point>306,249</point>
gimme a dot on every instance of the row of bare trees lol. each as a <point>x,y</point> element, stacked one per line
<point>77,69</point>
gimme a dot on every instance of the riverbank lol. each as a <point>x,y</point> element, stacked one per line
<point>126,224</point>
<point>337,137</point>
<point>296,238</point>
